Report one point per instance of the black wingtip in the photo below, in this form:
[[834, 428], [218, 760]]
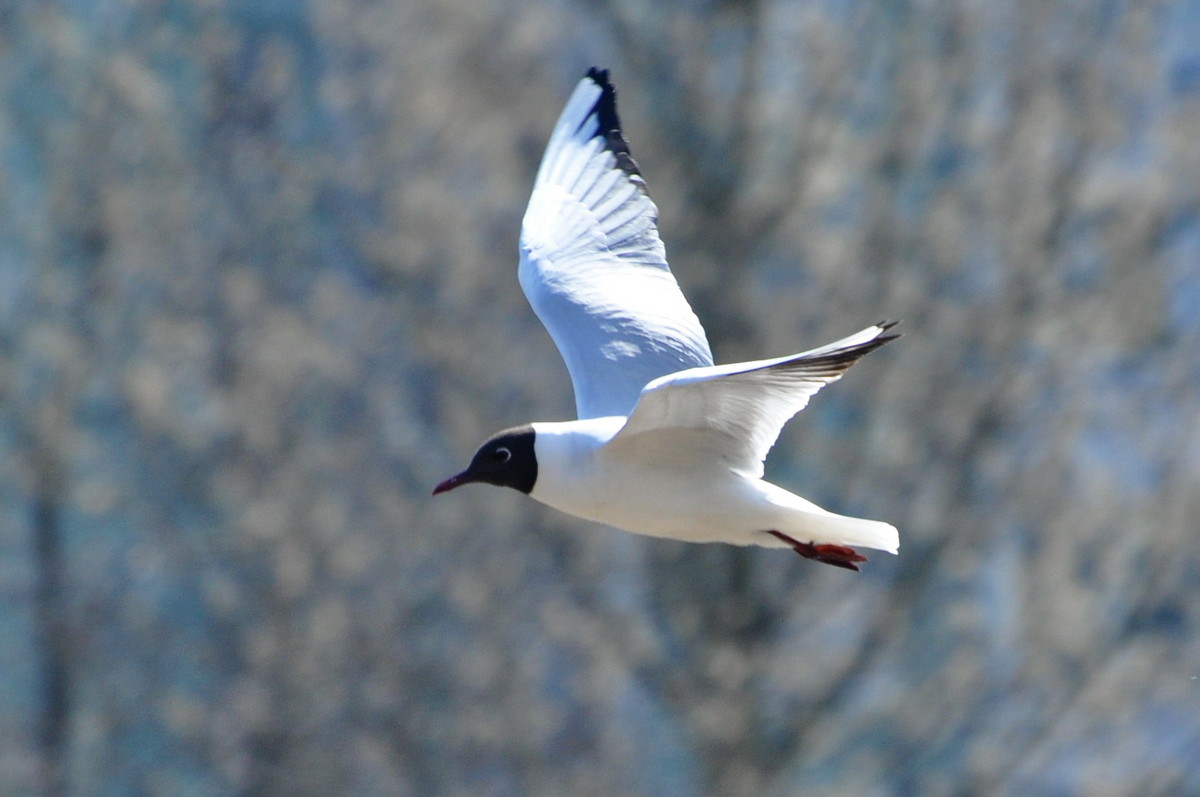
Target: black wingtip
[[884, 326], [839, 360], [599, 76], [606, 105], [609, 122]]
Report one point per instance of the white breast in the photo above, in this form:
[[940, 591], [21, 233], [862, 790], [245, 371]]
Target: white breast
[[646, 492]]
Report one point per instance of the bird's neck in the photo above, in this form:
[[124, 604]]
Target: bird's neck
[[566, 455]]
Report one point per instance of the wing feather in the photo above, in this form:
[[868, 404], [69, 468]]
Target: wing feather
[[740, 409], [593, 266]]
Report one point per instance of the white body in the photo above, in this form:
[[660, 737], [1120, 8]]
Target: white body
[[667, 444], [652, 490]]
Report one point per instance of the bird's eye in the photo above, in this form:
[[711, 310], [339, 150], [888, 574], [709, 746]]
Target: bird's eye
[[502, 454]]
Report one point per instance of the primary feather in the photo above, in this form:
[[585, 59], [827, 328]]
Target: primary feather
[[739, 409], [593, 266]]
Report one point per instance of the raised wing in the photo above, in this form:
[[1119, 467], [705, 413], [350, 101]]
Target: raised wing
[[737, 411], [593, 266]]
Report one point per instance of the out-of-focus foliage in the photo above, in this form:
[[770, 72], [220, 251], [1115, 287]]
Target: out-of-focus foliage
[[258, 293]]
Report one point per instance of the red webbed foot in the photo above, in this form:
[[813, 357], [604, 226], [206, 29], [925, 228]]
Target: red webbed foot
[[836, 555]]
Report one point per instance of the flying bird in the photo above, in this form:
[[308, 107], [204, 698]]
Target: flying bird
[[667, 444]]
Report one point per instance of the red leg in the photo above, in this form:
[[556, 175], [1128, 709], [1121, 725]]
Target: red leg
[[836, 555]]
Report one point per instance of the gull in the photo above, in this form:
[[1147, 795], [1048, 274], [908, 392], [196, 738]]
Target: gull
[[666, 444]]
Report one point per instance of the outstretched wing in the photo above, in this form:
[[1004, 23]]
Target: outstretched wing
[[737, 411], [593, 266]]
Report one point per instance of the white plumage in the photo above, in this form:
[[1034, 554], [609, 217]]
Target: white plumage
[[594, 268], [667, 444]]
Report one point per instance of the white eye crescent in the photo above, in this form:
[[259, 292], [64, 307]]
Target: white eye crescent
[[503, 454]]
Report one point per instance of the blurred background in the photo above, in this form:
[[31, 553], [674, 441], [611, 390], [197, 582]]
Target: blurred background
[[258, 294]]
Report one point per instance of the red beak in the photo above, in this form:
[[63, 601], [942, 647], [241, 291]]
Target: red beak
[[454, 481]]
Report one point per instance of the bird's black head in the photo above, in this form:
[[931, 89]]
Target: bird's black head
[[507, 460]]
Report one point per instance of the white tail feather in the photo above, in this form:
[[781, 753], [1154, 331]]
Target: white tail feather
[[831, 529]]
